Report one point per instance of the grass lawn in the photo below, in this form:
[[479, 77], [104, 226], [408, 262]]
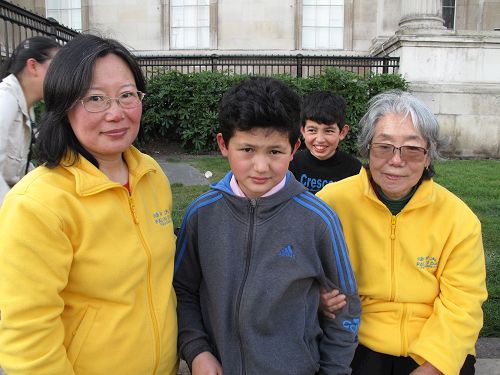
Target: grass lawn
[[476, 182]]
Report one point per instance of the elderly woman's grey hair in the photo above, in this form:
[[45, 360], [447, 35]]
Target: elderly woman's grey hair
[[405, 104]]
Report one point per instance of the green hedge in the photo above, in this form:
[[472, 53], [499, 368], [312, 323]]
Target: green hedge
[[183, 107]]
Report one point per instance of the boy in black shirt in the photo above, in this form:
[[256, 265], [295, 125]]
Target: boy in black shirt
[[323, 127]]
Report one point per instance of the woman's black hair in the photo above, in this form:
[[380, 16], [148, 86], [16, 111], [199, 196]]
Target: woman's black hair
[[68, 78], [37, 47]]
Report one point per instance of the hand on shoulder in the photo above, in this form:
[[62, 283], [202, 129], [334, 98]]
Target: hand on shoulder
[[331, 302]]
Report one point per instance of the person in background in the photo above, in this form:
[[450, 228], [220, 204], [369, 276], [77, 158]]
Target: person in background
[[21, 87], [87, 249], [416, 248], [247, 280], [323, 127]]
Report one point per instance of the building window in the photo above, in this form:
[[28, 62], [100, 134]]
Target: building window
[[323, 24], [449, 14], [190, 24], [66, 12]]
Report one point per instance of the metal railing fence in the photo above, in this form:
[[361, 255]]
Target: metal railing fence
[[296, 65]]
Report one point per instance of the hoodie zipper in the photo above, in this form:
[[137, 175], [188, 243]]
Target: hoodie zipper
[[253, 204], [393, 260]]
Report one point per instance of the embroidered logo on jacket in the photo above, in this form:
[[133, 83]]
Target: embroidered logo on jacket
[[426, 262], [287, 252], [162, 217], [351, 325]]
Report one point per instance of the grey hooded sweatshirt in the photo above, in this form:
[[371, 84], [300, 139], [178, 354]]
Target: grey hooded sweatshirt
[[247, 279]]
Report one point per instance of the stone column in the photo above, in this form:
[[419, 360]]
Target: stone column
[[421, 14]]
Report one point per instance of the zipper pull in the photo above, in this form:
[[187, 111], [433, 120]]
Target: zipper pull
[[253, 204], [393, 228]]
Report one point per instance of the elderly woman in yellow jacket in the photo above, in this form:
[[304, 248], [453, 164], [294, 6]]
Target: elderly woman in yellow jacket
[[87, 242], [416, 248]]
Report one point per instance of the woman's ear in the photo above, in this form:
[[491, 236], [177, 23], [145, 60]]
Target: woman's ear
[[31, 66]]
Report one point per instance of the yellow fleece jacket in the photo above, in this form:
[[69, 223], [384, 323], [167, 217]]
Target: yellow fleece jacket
[[421, 273], [86, 272]]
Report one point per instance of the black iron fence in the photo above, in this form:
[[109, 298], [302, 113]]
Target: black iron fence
[[17, 24], [295, 65]]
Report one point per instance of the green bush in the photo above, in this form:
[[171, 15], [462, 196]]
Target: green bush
[[183, 107]]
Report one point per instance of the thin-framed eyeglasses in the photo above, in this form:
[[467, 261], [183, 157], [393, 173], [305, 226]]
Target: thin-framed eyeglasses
[[407, 153], [99, 103]]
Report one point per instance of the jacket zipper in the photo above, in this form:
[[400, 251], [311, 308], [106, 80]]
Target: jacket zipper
[[393, 261], [253, 203], [150, 298]]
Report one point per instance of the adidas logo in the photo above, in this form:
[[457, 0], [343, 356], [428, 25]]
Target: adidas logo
[[287, 252]]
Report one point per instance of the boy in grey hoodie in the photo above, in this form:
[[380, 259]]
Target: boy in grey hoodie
[[247, 278]]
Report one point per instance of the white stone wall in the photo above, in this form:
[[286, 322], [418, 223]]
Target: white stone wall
[[137, 24], [468, 116], [256, 25], [450, 57]]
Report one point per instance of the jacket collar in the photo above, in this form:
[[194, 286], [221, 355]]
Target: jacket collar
[[90, 180], [424, 195], [265, 205]]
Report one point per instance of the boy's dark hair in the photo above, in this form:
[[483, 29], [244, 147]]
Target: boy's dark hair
[[260, 102], [68, 78], [324, 107], [37, 47]]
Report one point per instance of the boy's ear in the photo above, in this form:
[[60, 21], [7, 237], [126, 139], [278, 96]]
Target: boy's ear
[[344, 132], [296, 147], [221, 144]]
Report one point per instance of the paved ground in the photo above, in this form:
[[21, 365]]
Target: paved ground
[[488, 349], [183, 173]]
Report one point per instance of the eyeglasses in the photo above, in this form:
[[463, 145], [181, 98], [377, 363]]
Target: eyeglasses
[[99, 103], [407, 153]]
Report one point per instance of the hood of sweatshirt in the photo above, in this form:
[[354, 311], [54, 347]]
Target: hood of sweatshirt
[[264, 206]]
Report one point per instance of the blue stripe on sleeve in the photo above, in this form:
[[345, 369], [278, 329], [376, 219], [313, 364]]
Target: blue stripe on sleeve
[[338, 227], [333, 224]]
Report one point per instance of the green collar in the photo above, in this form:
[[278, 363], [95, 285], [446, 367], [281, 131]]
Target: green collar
[[395, 205]]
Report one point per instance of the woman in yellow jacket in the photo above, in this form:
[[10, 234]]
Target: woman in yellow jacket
[[87, 242], [416, 248]]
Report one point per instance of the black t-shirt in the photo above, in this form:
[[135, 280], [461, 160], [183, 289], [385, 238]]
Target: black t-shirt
[[314, 173]]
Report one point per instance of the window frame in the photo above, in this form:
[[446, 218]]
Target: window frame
[[70, 11], [346, 28], [197, 28], [452, 21]]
